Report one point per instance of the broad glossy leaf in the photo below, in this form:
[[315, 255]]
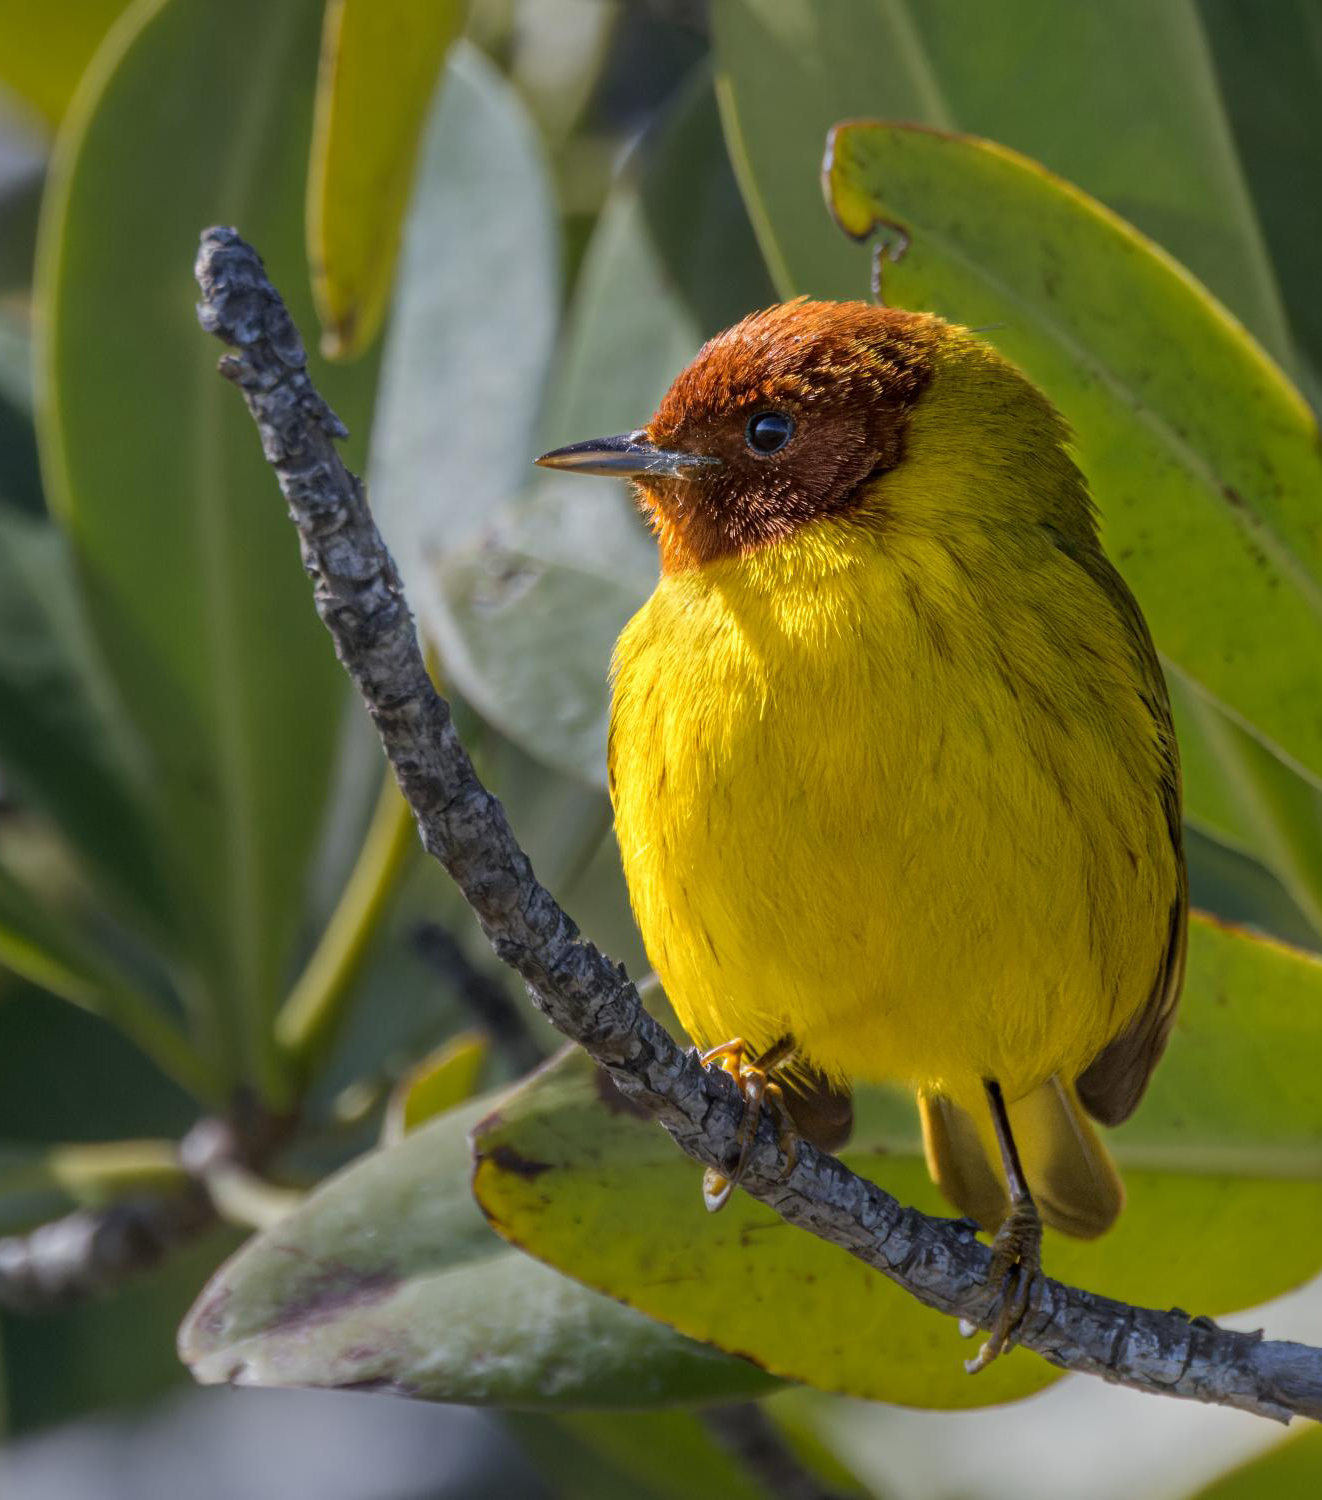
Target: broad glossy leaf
[[673, 260], [473, 327], [1122, 100], [528, 627], [1239, 792], [58, 736], [1202, 456], [1223, 1153], [189, 565], [1269, 73], [389, 1278], [1290, 1470], [527, 610], [1234, 887], [380, 60], [1139, 125], [42, 62]]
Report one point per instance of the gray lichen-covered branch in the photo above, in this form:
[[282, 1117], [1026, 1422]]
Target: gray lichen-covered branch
[[91, 1251], [590, 999]]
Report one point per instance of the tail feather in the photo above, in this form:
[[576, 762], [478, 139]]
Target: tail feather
[[958, 1163], [1069, 1170]]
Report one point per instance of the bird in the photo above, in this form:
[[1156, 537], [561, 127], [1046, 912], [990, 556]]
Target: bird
[[895, 782]]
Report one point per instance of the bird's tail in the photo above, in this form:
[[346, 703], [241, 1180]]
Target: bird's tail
[[1069, 1170]]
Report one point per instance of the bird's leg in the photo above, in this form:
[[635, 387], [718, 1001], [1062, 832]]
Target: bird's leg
[[758, 1089], [1017, 1249]]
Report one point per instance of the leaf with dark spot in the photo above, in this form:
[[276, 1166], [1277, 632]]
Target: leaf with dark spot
[[388, 1279]]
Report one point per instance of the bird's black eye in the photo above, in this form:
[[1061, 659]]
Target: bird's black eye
[[769, 431]]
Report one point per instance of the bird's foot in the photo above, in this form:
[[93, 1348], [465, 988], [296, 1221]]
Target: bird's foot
[[1016, 1264], [759, 1091]]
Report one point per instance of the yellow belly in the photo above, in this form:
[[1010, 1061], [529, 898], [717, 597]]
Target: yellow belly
[[909, 819]]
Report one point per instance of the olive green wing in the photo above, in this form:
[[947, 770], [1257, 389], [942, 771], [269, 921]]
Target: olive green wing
[[1113, 1083]]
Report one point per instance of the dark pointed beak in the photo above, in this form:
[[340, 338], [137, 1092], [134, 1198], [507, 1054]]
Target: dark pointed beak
[[627, 456]]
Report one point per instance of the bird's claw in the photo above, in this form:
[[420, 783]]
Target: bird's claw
[[758, 1091], [1016, 1264]]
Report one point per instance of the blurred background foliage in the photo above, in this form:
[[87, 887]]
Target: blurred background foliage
[[510, 223]]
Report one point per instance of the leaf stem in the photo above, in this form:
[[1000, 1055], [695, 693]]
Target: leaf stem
[[94, 1173], [311, 1013]]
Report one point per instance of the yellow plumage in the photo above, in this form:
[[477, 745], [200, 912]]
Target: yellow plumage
[[899, 783]]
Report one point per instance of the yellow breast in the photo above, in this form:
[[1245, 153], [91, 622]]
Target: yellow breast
[[896, 796]]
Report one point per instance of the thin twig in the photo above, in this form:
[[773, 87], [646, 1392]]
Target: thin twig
[[487, 1004], [358, 594], [93, 1250], [310, 1018]]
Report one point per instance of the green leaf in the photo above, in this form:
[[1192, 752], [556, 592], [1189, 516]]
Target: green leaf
[[190, 568], [1224, 1153], [439, 1083], [42, 62], [654, 1455], [472, 330], [58, 735], [388, 1277], [1234, 887], [786, 71], [45, 948], [1237, 791], [1208, 500], [530, 624], [673, 260], [1291, 1470], [526, 610], [1139, 126], [1270, 77], [379, 65]]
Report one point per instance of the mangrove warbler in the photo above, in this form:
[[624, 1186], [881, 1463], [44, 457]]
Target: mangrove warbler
[[891, 756]]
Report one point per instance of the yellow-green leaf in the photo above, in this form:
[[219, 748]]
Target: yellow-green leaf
[[437, 1084], [93, 1173], [1227, 1142], [1239, 792], [45, 54], [1140, 126], [569, 1173], [380, 61], [1202, 456], [1291, 1470], [190, 572]]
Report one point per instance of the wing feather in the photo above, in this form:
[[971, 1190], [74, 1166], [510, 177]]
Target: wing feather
[[1111, 1086]]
